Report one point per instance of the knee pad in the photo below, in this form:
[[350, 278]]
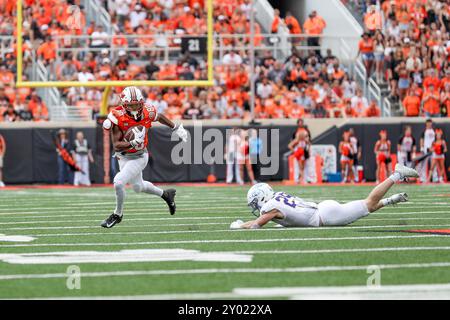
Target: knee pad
[[137, 187], [118, 184]]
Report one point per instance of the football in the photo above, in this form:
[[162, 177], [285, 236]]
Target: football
[[129, 134]]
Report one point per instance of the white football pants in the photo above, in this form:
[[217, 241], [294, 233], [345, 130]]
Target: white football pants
[[332, 213], [131, 173]]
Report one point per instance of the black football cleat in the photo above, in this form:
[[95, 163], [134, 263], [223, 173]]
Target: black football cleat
[[169, 197], [111, 221]]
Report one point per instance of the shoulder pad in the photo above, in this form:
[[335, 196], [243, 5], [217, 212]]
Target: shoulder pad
[[107, 124], [112, 117], [152, 112]]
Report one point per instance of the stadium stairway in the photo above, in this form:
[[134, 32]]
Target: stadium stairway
[[95, 12]]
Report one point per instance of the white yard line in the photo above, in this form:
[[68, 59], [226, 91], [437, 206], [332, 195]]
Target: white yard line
[[130, 217], [225, 270], [332, 251], [102, 213], [147, 212], [195, 224], [159, 206], [83, 234], [97, 221], [84, 244]]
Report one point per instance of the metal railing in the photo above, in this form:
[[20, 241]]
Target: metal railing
[[72, 113], [5, 46], [360, 74], [96, 12], [346, 56], [50, 96], [374, 93], [81, 44], [387, 108]]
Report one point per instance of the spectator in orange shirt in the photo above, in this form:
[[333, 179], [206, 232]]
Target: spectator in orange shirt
[[47, 50], [294, 27], [411, 104], [403, 17], [311, 92], [6, 76], [276, 21], [278, 111], [431, 99], [292, 24], [431, 78], [372, 20], [260, 110], [295, 111], [372, 110], [349, 112], [314, 26], [445, 101], [366, 49], [446, 80], [38, 108]]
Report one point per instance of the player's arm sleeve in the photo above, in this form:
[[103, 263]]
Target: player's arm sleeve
[[268, 207]]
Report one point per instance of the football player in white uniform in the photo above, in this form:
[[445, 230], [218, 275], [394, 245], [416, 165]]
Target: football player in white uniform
[[291, 211], [136, 117]]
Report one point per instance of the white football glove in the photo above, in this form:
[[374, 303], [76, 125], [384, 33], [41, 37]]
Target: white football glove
[[139, 138], [139, 135], [137, 143], [180, 132], [236, 224]]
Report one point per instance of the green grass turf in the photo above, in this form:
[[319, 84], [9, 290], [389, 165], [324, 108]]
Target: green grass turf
[[68, 220]]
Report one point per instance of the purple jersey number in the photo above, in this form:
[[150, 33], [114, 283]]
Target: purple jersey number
[[286, 198]]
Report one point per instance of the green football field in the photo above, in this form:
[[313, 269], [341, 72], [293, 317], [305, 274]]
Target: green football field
[[193, 254]]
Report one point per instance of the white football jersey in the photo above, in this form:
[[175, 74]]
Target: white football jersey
[[297, 212]]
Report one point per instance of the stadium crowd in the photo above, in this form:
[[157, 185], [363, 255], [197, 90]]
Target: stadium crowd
[[406, 44], [303, 85]]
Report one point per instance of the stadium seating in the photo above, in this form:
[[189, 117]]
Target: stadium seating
[[409, 51], [308, 85]]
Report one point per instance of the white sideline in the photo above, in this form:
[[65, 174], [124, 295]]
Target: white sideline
[[81, 244], [135, 255], [224, 270], [386, 292], [15, 238], [419, 291]]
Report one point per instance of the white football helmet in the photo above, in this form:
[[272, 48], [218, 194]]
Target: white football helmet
[[133, 101], [258, 195]]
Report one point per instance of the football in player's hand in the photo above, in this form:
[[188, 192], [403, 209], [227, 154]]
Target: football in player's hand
[[129, 135]]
